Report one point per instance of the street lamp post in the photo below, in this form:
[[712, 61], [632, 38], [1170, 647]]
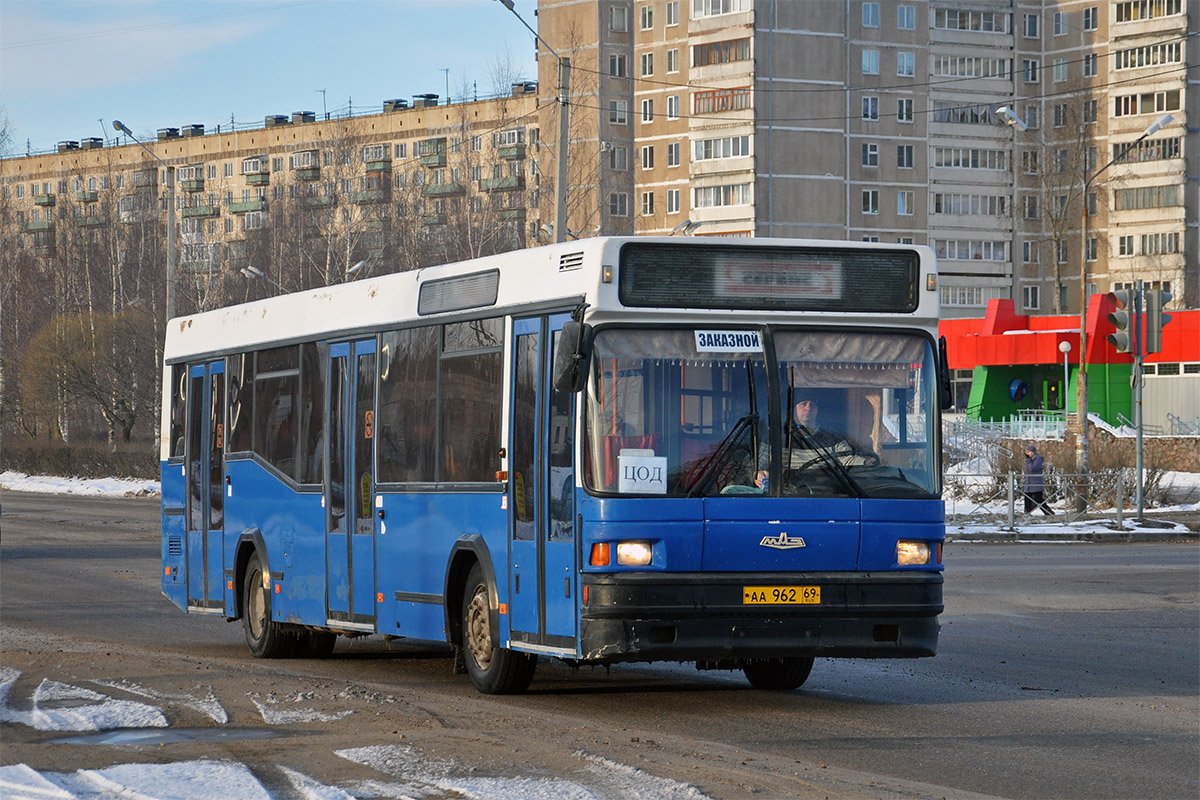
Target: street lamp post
[[254, 273], [171, 256], [564, 90], [1081, 377], [1065, 349]]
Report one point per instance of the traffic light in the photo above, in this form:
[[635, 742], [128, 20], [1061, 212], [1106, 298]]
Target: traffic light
[[1124, 318], [1154, 301]]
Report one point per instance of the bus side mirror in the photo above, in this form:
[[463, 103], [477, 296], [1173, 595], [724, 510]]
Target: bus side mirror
[[572, 358], [945, 391]]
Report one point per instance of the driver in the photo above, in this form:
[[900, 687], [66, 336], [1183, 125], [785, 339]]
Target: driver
[[811, 436]]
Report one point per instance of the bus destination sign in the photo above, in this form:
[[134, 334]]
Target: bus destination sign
[[753, 280]]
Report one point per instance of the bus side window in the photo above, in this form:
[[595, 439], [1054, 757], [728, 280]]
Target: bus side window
[[178, 410]]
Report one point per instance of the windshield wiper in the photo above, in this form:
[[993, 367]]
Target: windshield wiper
[[708, 473], [836, 467]]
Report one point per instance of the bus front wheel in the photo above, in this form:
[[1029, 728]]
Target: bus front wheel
[[493, 669], [777, 674], [266, 639]]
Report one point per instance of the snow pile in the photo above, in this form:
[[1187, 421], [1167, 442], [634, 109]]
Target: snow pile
[[96, 487], [62, 707], [287, 716]]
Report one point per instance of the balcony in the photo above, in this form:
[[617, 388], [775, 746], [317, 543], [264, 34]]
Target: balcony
[[443, 189], [370, 196], [316, 201], [195, 185], [45, 200], [511, 215], [41, 225], [433, 219], [91, 220], [379, 165], [308, 173], [248, 205], [513, 152], [437, 159], [192, 212], [377, 225], [258, 179], [87, 197], [506, 184]]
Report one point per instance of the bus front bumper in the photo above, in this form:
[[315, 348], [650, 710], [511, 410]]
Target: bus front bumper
[[701, 617]]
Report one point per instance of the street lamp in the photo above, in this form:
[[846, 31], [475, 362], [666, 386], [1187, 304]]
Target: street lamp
[[1081, 401], [355, 267], [117, 124], [253, 273], [564, 84], [1065, 348]]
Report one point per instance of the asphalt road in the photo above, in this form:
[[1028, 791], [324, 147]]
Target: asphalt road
[[1063, 671]]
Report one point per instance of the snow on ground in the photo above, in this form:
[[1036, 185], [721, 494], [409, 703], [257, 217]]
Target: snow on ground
[[62, 707], [98, 487], [272, 715]]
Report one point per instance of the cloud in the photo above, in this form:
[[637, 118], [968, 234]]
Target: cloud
[[138, 42]]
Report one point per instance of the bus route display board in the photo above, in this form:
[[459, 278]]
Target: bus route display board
[[660, 275]]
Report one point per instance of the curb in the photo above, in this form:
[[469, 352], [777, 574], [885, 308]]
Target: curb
[[1100, 537]]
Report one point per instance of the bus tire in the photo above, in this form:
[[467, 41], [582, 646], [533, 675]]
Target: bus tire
[[493, 669], [265, 638], [777, 674]]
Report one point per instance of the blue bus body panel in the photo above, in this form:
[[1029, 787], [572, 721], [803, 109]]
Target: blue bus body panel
[[753, 534], [292, 525], [675, 527], [412, 552], [174, 537], [886, 521]]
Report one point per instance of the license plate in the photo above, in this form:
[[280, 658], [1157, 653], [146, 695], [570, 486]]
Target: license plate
[[781, 595]]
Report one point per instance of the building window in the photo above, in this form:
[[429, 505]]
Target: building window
[[647, 204], [1091, 18], [672, 13], [870, 108], [906, 64], [1148, 56], [673, 154], [1029, 69], [906, 18], [1092, 248], [722, 147], [716, 8], [874, 239], [618, 158], [673, 60], [870, 201], [904, 156], [1030, 29], [672, 201], [970, 158], [1090, 65], [618, 18], [990, 205], [1060, 70], [1125, 246], [1146, 103], [1148, 150], [616, 65], [1138, 10], [1031, 206], [648, 110], [1154, 244], [704, 55], [870, 154], [618, 112], [736, 99], [1032, 116], [976, 21], [1031, 297], [1060, 115], [673, 106], [1089, 111], [647, 64], [904, 204], [870, 62], [618, 204], [737, 194], [904, 109], [648, 157], [1147, 197], [1029, 252], [229, 170], [870, 15], [647, 17], [1060, 23], [1064, 251], [971, 249]]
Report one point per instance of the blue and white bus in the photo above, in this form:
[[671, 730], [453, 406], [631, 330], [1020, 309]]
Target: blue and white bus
[[600, 451]]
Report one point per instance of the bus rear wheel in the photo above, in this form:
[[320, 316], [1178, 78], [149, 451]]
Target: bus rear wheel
[[493, 669], [266, 639], [777, 674]]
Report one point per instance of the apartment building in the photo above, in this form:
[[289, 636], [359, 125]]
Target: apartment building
[[879, 121], [876, 120], [416, 182]]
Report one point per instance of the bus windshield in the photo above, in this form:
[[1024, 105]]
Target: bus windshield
[[685, 412]]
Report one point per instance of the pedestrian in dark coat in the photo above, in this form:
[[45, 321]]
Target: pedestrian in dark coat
[[1035, 482]]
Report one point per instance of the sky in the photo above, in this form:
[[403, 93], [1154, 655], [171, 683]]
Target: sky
[[69, 68]]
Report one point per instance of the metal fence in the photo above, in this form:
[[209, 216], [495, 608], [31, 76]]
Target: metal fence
[[998, 499]]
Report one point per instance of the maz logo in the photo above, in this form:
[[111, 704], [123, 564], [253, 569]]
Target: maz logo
[[782, 542]]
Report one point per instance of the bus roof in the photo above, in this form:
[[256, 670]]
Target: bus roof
[[561, 274]]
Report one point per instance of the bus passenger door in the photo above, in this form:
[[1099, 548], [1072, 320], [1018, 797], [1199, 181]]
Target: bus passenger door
[[350, 486], [544, 579], [206, 486]]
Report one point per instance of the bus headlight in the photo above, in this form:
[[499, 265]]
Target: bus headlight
[[634, 554], [912, 554]]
